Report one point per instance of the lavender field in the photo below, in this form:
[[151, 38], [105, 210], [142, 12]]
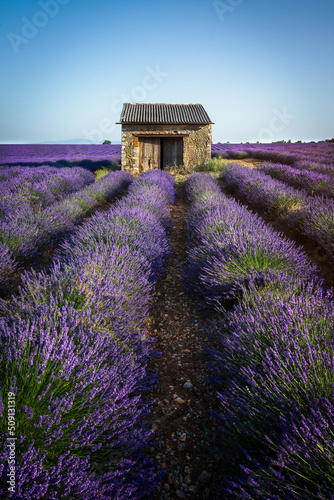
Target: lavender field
[[79, 357], [74, 358], [271, 355], [50, 154], [317, 157], [312, 156]]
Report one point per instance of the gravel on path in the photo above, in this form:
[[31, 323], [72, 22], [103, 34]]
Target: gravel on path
[[181, 416]]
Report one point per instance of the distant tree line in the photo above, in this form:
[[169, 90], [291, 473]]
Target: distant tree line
[[274, 142]]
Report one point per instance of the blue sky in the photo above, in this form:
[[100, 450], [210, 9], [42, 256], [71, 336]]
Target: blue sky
[[262, 69]]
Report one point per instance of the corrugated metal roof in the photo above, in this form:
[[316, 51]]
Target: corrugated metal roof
[[164, 113]]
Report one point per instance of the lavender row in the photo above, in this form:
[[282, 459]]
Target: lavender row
[[25, 235], [230, 247], [273, 363], [314, 183], [311, 156], [76, 356], [272, 359], [17, 154], [323, 167], [30, 189], [310, 216]]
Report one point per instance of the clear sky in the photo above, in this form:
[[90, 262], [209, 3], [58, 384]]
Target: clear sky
[[263, 69]]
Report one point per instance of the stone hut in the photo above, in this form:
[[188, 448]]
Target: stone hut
[[160, 135]]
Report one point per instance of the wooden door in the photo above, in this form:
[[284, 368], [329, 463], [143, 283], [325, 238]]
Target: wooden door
[[149, 153], [172, 151]]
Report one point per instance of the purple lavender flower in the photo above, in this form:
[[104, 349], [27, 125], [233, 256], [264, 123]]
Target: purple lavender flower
[[271, 357], [308, 180], [26, 233], [230, 247], [82, 387], [77, 353], [310, 216], [7, 264]]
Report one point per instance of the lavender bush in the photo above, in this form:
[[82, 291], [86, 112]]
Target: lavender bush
[[131, 226], [75, 403], [198, 187], [231, 247], [308, 180], [163, 195], [7, 265], [87, 155], [318, 157], [271, 356], [310, 216], [26, 234], [325, 167], [318, 223], [277, 354], [277, 344], [153, 178], [30, 189], [262, 191], [78, 358]]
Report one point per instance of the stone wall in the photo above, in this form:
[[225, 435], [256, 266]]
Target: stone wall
[[196, 146]]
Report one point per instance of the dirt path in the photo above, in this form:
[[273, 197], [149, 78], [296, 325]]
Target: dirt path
[[181, 414]]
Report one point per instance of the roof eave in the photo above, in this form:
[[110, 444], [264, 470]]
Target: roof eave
[[167, 123]]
